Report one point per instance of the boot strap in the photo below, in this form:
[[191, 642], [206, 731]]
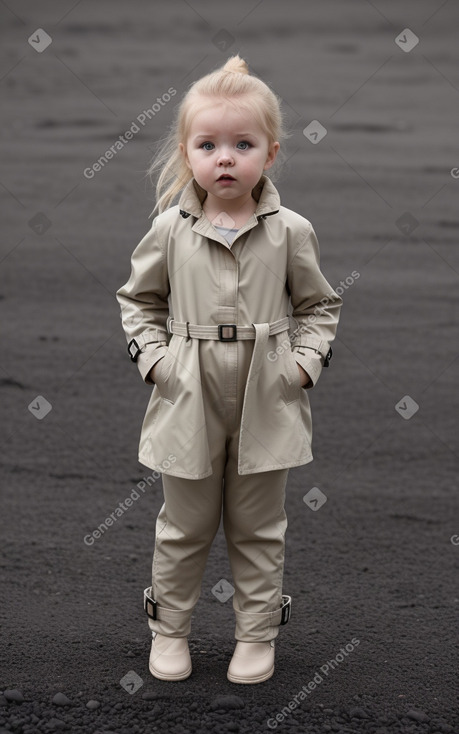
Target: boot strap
[[163, 614], [150, 606]]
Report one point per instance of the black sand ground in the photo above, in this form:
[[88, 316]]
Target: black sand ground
[[378, 562]]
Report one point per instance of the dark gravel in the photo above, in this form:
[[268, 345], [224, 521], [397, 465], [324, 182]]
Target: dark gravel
[[197, 713], [378, 562]]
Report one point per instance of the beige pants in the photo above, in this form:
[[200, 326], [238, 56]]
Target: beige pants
[[254, 518]]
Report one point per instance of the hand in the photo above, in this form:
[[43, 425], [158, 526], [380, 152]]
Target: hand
[[304, 377]]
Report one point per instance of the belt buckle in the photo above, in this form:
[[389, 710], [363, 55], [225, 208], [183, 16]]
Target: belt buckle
[[286, 609], [231, 338], [169, 321]]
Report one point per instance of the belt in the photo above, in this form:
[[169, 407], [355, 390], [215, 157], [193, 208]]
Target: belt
[[222, 332]]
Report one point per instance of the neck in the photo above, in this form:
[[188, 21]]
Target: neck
[[239, 209]]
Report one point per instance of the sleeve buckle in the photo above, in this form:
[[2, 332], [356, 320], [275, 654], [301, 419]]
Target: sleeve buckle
[[133, 350]]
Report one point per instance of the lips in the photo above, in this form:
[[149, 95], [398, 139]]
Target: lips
[[226, 177]]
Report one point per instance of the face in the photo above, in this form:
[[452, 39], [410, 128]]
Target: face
[[227, 151]]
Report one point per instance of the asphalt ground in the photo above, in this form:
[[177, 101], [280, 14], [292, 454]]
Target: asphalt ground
[[374, 570]]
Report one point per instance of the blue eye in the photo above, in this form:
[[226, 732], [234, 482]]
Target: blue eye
[[207, 145]]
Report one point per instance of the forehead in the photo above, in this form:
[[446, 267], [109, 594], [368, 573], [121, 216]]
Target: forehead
[[223, 117]]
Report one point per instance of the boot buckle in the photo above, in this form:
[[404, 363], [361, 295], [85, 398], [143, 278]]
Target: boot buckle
[[286, 609], [149, 604]]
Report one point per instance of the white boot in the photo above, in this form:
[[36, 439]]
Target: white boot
[[169, 657], [252, 662]]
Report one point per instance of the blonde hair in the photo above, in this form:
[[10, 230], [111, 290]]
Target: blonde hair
[[233, 83]]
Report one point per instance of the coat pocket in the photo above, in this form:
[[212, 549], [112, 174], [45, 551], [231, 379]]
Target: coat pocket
[[292, 391], [163, 375]]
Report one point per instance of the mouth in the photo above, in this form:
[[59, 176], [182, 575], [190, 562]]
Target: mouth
[[226, 177]]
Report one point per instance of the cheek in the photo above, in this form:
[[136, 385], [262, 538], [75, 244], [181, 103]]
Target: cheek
[[206, 164], [249, 162], [194, 159]]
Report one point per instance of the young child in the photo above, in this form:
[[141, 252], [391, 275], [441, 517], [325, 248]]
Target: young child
[[205, 312]]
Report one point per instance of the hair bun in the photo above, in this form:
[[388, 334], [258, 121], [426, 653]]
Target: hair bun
[[237, 65]]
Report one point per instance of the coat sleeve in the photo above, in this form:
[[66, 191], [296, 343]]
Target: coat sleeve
[[144, 301], [316, 307]]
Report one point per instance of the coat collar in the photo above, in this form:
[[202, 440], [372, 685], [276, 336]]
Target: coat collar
[[264, 192]]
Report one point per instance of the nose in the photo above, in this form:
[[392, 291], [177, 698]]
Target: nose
[[225, 158]]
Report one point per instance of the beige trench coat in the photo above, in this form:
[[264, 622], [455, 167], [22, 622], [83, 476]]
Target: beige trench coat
[[185, 269]]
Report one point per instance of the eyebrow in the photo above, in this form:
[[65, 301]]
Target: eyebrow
[[236, 135]]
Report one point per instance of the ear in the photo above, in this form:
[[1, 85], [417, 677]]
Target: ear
[[183, 152], [272, 153]]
